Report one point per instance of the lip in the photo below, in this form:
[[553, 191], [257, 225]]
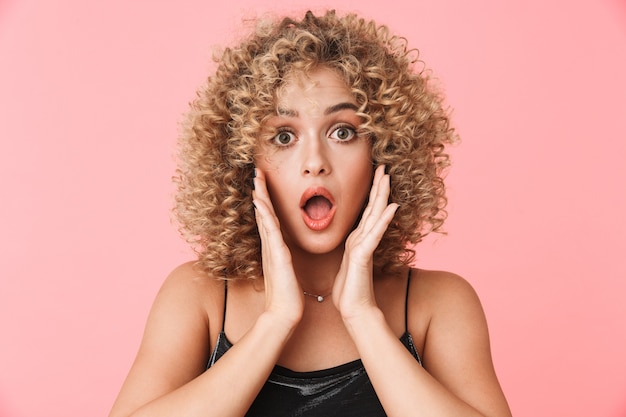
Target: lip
[[317, 224]]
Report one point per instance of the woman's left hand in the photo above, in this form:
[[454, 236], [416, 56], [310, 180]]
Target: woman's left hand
[[353, 290]]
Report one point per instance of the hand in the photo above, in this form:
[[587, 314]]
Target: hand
[[353, 290], [283, 294]]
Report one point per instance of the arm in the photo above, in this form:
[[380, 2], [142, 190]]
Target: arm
[[168, 376], [458, 378]]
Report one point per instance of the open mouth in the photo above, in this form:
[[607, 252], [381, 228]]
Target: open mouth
[[318, 208]]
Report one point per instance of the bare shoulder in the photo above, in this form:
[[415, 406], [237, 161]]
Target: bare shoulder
[[437, 293], [441, 285], [455, 339], [182, 306], [191, 285], [175, 345], [192, 298], [442, 290], [187, 293], [447, 306], [189, 276]]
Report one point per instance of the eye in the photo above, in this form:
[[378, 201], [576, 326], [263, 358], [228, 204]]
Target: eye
[[284, 137], [343, 133]]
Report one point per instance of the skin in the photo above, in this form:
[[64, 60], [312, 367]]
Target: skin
[[273, 322]]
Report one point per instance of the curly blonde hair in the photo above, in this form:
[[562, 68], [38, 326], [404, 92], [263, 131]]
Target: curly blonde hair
[[402, 112]]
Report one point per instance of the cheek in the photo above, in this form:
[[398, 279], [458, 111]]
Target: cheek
[[263, 160], [360, 173], [273, 168], [361, 167], [273, 161], [278, 186]]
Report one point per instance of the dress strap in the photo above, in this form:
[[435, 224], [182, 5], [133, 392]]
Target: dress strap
[[406, 302], [225, 298]]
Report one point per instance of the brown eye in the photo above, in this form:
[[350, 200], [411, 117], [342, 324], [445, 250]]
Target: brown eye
[[284, 138], [343, 133]]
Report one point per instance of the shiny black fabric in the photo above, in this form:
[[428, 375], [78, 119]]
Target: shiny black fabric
[[344, 390]]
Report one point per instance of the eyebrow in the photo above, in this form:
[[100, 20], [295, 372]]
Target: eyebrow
[[341, 106], [330, 110]]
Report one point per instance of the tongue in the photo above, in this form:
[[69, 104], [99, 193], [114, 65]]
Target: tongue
[[317, 207]]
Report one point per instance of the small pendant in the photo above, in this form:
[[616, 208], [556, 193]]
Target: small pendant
[[319, 298]]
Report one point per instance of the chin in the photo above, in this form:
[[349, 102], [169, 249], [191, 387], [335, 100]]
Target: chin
[[318, 245]]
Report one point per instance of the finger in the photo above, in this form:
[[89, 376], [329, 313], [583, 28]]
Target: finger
[[379, 198], [372, 194], [369, 241], [378, 174], [268, 225], [260, 191], [267, 221]]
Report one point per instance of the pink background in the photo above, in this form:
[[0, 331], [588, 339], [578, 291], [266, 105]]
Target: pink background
[[90, 97]]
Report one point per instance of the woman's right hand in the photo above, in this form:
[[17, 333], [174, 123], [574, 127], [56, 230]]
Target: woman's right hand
[[177, 330], [283, 294]]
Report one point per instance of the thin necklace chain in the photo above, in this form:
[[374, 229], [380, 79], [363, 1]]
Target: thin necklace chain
[[319, 298]]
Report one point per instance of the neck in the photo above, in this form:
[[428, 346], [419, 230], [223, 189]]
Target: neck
[[316, 272]]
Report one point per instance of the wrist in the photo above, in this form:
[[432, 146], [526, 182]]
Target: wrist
[[279, 324], [362, 320]]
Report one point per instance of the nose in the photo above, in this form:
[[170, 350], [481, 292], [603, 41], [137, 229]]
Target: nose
[[315, 158]]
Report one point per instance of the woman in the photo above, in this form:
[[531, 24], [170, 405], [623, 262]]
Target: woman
[[310, 163]]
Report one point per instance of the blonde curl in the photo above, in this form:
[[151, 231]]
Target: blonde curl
[[402, 112]]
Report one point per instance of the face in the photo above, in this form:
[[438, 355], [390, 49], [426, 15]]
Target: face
[[317, 167]]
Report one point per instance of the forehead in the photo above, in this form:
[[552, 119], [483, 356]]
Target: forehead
[[312, 92]]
